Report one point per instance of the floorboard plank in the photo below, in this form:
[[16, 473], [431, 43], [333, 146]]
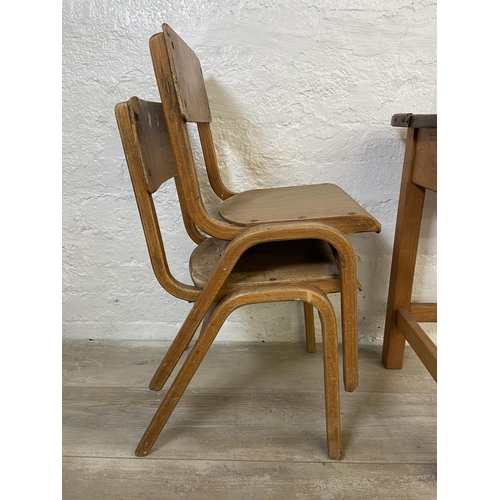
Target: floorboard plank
[[258, 424], [250, 425], [288, 365], [225, 480]]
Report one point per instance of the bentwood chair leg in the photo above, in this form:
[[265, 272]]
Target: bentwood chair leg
[[331, 373], [181, 342], [349, 335], [171, 358], [309, 323], [179, 385], [174, 353], [207, 336], [204, 324]]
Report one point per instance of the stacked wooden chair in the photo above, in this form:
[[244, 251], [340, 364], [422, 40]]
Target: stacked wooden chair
[[267, 245], [184, 99]]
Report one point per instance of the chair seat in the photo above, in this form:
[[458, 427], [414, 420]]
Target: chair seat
[[286, 262], [320, 202]]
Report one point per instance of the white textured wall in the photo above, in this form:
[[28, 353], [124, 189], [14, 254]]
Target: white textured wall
[[300, 92]]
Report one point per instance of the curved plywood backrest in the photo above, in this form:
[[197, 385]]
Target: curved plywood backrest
[[156, 157], [153, 143], [188, 78]]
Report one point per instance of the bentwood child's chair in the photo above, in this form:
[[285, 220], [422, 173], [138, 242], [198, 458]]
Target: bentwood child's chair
[[295, 260]]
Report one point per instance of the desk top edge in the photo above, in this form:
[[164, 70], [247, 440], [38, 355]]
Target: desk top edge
[[408, 120]]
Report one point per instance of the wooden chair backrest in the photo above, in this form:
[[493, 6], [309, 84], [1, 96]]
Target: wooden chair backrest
[[183, 96], [149, 158], [188, 78], [191, 95], [152, 142], [155, 152]]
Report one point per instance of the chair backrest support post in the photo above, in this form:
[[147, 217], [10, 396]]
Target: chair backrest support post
[[127, 116], [181, 145]]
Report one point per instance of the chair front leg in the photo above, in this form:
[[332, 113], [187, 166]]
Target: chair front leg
[[202, 310], [179, 345], [331, 374], [349, 315], [230, 303], [186, 373], [309, 324]]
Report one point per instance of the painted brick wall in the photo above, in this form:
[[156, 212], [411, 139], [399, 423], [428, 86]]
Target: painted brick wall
[[301, 91]]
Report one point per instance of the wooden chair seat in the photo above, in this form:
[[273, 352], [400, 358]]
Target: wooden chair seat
[[322, 202], [285, 262], [299, 261], [184, 99]]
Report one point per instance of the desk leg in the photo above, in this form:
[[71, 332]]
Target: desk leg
[[404, 256]]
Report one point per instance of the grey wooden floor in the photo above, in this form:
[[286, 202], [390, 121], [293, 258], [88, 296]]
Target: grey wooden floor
[[251, 425]]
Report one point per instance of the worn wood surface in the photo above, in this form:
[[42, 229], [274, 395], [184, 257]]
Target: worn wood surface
[[325, 202], [426, 312], [210, 157], [283, 261], [404, 256], [188, 78], [419, 174], [309, 323], [251, 421], [414, 121], [157, 158], [127, 125], [250, 424], [162, 59], [148, 150], [425, 349], [425, 167]]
